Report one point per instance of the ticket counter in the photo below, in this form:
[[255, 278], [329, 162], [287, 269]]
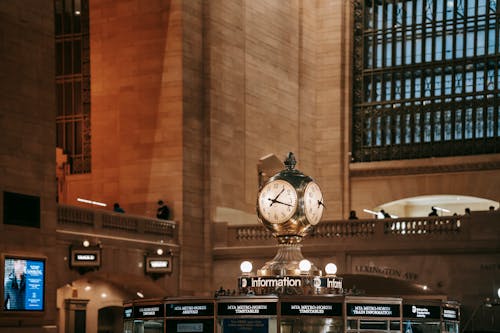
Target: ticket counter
[[189, 315], [421, 316], [250, 314], [312, 314], [450, 317], [144, 317], [372, 314]]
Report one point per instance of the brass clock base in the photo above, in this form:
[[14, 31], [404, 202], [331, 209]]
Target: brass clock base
[[286, 263]]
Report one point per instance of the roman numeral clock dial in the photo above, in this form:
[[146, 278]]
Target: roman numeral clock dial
[[277, 201]]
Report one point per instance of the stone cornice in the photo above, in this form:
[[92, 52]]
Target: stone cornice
[[426, 166]]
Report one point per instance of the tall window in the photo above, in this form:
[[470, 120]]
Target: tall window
[[73, 82], [426, 78]]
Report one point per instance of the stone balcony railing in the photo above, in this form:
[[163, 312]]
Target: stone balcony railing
[[101, 221], [443, 231]]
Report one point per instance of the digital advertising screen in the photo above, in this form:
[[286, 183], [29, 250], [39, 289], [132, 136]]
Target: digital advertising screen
[[24, 283]]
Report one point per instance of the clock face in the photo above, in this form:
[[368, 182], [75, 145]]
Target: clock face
[[277, 201], [313, 203]]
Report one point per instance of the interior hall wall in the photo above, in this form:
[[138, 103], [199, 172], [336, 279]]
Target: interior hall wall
[[265, 66], [27, 140], [194, 236], [136, 107]]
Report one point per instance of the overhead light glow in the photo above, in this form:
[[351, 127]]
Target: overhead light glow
[[304, 265], [159, 252], [442, 209], [246, 267], [140, 294], [86, 243], [331, 268], [92, 202]]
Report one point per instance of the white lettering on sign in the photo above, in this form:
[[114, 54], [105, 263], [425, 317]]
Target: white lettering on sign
[[334, 283], [85, 257], [190, 309], [450, 314], [158, 263], [247, 308], [151, 311], [283, 282], [377, 310], [310, 309], [420, 312]]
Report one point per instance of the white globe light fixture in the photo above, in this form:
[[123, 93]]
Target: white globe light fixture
[[159, 251], [331, 269], [86, 243], [246, 267], [304, 265]]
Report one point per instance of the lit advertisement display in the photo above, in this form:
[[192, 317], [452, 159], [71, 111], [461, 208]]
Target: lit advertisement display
[[23, 287]]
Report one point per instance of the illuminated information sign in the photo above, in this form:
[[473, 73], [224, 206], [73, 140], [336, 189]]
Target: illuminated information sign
[[372, 310], [241, 309], [190, 310], [311, 309]]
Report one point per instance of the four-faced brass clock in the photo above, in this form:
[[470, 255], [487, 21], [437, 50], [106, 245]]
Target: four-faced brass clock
[[290, 203]]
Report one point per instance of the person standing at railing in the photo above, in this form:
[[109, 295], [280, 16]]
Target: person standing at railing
[[433, 212], [163, 213], [117, 208], [352, 215]]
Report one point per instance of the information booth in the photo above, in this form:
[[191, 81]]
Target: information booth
[[450, 317], [372, 314], [144, 317], [189, 315], [421, 316], [251, 314], [312, 314]]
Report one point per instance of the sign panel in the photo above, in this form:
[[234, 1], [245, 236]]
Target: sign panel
[[311, 309], [158, 265], [372, 310], [191, 325], [147, 311], [247, 325], [450, 313], [239, 309], [421, 311], [24, 283], [128, 312], [190, 309], [85, 257]]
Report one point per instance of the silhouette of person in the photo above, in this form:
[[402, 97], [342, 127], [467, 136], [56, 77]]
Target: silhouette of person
[[467, 211], [15, 287], [163, 212], [433, 212], [385, 214], [352, 215], [117, 208]]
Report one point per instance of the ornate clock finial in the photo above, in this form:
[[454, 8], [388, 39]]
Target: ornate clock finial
[[290, 161]]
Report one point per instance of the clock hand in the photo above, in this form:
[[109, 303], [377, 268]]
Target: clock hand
[[276, 197], [283, 203], [320, 203]]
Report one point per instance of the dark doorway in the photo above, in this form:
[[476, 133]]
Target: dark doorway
[[110, 320]]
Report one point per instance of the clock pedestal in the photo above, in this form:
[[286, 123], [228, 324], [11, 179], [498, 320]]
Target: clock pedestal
[[286, 263]]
